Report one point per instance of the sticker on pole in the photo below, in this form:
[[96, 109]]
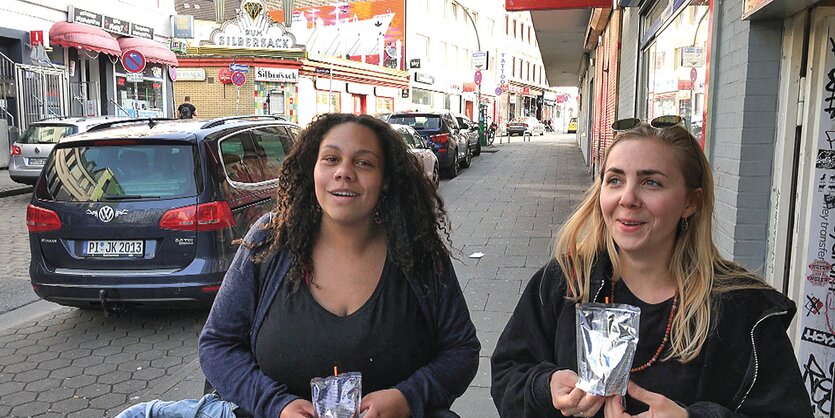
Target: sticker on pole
[[133, 61], [477, 78], [238, 78]]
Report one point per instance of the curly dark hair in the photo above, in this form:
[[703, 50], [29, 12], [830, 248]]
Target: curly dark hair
[[415, 220]]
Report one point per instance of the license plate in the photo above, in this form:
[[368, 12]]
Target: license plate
[[37, 161], [111, 248]]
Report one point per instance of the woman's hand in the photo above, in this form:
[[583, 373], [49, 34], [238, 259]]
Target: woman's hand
[[659, 405], [300, 408], [571, 401], [388, 403]]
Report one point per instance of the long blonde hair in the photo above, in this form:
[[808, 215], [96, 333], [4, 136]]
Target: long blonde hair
[[696, 266]]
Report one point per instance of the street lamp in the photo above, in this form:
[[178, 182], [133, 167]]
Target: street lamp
[[481, 138]]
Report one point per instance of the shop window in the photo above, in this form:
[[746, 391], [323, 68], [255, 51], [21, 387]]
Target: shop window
[[142, 96], [324, 97], [422, 97], [674, 66], [385, 105]]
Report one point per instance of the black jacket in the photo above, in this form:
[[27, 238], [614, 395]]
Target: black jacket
[[749, 366]]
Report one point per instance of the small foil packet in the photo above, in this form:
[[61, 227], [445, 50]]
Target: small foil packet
[[337, 396], [607, 337]]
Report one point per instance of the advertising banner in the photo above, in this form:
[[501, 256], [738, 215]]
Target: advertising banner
[[372, 32]]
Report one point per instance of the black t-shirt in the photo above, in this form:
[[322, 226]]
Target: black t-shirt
[[670, 378], [387, 339], [186, 111]]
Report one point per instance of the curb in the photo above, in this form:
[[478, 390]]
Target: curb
[[16, 191]]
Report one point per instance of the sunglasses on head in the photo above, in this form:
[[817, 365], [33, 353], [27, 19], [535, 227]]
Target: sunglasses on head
[[660, 122]]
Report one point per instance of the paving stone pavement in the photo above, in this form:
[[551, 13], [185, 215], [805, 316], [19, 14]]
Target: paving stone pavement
[[508, 205]]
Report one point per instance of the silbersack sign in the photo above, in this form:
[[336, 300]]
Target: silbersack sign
[[254, 29], [277, 75]]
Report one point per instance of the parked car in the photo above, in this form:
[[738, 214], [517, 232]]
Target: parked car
[[146, 212], [572, 126], [442, 131], [420, 149], [527, 125], [29, 152], [470, 129]]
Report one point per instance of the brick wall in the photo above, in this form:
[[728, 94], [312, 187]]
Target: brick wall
[[213, 98], [628, 63], [746, 70]]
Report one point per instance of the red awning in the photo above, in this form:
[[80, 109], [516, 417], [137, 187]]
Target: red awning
[[82, 36], [153, 51]]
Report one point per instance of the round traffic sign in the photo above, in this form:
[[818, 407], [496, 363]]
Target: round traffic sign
[[238, 78], [172, 73], [498, 91], [477, 77], [133, 61], [693, 75]]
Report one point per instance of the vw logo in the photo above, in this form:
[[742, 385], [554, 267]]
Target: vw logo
[[37, 150], [106, 213]]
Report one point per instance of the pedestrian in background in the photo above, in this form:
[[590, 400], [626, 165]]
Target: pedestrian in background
[[186, 110], [358, 276], [712, 337]]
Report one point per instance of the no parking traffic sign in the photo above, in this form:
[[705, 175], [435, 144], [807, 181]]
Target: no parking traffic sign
[[133, 61], [238, 78]]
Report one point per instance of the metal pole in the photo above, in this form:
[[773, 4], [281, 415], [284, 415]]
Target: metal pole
[[330, 88], [482, 139]]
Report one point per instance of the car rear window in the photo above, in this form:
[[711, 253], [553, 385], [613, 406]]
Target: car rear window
[[93, 173], [46, 134], [418, 122]]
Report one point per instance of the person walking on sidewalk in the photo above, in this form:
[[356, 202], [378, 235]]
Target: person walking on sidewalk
[[186, 110], [358, 277], [712, 337]]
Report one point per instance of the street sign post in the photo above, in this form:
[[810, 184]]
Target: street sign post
[[238, 78], [241, 68], [133, 61]]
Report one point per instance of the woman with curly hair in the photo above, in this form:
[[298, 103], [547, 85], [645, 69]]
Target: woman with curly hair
[[358, 277], [712, 336]]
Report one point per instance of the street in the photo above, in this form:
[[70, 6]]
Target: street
[[67, 362]]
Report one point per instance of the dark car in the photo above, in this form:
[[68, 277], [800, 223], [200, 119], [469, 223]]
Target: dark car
[[470, 130], [147, 212], [441, 130]]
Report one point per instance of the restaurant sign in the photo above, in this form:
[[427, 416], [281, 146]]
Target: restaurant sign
[[277, 75], [253, 28]]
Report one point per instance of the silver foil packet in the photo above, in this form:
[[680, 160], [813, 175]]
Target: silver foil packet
[[607, 337], [337, 396]]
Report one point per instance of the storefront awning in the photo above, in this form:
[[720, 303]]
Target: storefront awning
[[153, 51], [82, 36]]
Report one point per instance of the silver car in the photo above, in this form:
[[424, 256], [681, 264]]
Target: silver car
[[418, 147], [29, 152]]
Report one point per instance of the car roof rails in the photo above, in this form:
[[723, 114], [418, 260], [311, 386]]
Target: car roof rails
[[220, 121], [150, 121]]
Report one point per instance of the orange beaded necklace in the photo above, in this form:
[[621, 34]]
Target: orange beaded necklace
[[663, 340]]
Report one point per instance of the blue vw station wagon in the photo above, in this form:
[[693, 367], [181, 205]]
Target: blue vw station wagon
[[145, 212]]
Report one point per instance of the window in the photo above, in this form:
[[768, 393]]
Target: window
[[143, 99], [514, 29], [529, 34], [454, 8], [96, 173], [240, 160], [491, 26], [46, 134], [322, 102], [271, 144], [513, 71], [454, 59], [528, 65], [420, 47], [385, 105], [444, 53], [506, 26]]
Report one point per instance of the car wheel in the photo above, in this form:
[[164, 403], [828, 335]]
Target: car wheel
[[436, 176], [452, 171], [468, 158], [477, 149]]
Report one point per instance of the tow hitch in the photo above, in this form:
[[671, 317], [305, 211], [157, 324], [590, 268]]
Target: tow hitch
[[111, 309]]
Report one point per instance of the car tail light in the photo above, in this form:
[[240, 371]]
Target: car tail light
[[210, 289], [39, 219], [16, 150], [439, 138], [200, 217], [525, 125]]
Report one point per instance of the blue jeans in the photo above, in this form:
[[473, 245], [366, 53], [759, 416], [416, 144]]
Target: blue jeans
[[209, 406]]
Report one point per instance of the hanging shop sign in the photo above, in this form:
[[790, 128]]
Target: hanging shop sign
[[414, 63], [253, 29], [224, 75], [424, 78], [277, 75], [109, 23], [182, 26]]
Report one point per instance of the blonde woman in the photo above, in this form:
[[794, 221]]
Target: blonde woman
[[712, 335]]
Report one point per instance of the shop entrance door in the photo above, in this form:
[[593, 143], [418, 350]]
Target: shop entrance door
[[806, 150], [359, 104], [276, 102]]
